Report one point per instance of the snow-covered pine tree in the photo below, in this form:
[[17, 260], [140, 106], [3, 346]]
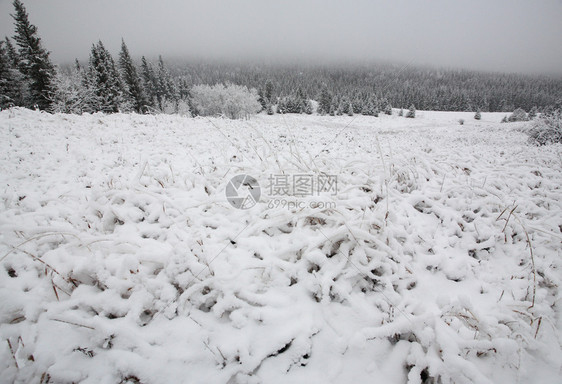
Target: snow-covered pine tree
[[261, 99], [104, 77], [350, 110], [34, 62], [134, 91], [401, 112], [12, 53], [269, 91], [149, 82], [13, 86], [388, 109], [411, 112], [325, 101], [165, 88], [533, 113]]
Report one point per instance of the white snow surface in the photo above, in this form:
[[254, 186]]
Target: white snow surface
[[122, 261]]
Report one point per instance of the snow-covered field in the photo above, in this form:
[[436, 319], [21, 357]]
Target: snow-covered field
[[439, 257]]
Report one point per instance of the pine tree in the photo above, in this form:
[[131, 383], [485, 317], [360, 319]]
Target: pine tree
[[350, 110], [411, 112], [12, 53], [325, 101], [388, 109], [13, 86], [133, 86], [401, 112], [268, 94], [533, 113], [149, 82], [104, 77], [165, 88], [34, 62], [261, 99]]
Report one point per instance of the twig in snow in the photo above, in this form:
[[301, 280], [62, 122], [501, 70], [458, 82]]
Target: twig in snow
[[538, 327], [13, 353], [72, 323]]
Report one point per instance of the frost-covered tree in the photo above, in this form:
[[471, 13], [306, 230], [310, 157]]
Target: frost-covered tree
[[12, 53], [411, 112], [133, 88], [73, 92], [268, 93], [33, 59], [233, 101], [13, 87], [325, 101], [165, 88], [350, 109], [261, 99], [149, 81], [103, 76], [388, 109], [533, 113]]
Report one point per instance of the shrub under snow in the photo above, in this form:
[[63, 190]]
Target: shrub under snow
[[234, 101], [547, 129], [518, 115]]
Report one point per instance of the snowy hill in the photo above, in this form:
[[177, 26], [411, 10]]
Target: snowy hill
[[437, 259]]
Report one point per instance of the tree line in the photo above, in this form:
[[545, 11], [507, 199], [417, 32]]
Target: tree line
[[28, 78]]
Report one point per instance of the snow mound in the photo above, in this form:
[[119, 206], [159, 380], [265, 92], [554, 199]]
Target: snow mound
[[438, 260]]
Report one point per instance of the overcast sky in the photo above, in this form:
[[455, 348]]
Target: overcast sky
[[497, 35]]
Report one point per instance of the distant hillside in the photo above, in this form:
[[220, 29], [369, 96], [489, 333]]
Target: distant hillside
[[401, 86]]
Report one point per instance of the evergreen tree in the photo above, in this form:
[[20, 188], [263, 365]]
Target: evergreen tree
[[12, 84], [104, 78], [165, 88], [268, 94], [411, 112], [134, 92], [401, 112], [325, 101], [533, 113], [149, 82], [12, 53], [388, 109], [261, 99], [34, 62], [350, 110]]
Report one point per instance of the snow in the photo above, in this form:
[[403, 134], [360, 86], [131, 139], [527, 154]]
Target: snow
[[122, 261]]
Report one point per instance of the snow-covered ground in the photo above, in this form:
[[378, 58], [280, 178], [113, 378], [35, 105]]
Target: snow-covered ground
[[122, 261]]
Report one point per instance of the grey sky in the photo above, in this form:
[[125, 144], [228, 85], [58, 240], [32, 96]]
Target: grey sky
[[498, 35]]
